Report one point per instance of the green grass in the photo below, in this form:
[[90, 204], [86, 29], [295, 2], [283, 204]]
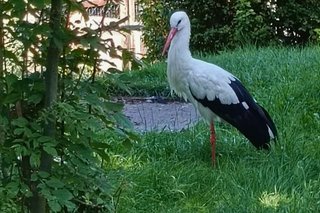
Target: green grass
[[150, 80], [172, 172]]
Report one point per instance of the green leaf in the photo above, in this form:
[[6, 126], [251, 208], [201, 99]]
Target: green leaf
[[20, 122], [35, 159], [4, 121], [25, 131], [54, 183], [122, 85], [35, 126], [20, 150], [45, 139], [112, 106], [43, 174], [11, 79], [11, 98], [50, 150], [13, 188], [103, 154], [45, 190], [34, 177], [80, 8], [70, 205], [93, 99], [54, 205], [25, 190], [38, 86], [122, 120], [18, 131], [39, 3], [127, 143], [63, 195], [10, 55], [100, 201], [100, 145], [35, 98]]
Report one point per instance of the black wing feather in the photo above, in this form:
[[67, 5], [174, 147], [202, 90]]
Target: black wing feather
[[251, 122]]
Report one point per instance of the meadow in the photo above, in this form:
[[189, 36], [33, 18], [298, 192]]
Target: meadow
[[172, 171]]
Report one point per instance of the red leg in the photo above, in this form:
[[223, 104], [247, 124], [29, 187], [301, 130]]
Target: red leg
[[213, 143]]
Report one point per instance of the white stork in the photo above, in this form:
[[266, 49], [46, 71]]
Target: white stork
[[213, 91]]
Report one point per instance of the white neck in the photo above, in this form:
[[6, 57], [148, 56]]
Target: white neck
[[179, 48], [179, 61]]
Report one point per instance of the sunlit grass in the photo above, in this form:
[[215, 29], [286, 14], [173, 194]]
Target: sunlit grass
[[273, 199], [172, 172]]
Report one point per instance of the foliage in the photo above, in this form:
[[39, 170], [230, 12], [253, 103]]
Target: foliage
[[150, 80], [211, 30], [89, 128], [211, 24], [154, 25], [251, 23], [220, 25], [172, 172], [295, 21]]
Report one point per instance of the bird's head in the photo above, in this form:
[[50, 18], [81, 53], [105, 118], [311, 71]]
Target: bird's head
[[178, 21]]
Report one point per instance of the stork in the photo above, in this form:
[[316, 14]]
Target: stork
[[213, 91]]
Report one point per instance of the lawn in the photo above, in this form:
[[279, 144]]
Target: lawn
[[172, 172]]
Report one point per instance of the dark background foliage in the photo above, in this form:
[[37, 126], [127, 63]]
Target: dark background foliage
[[295, 21], [219, 25]]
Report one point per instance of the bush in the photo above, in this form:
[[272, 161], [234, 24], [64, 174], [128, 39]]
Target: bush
[[219, 25], [251, 23], [155, 25], [58, 128], [211, 23], [295, 21]]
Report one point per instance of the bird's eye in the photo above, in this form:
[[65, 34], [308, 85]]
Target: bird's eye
[[179, 22]]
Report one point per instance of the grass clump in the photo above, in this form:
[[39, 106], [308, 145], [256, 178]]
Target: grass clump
[[172, 172]]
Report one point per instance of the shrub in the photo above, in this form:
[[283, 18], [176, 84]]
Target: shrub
[[155, 25], [251, 23], [211, 23], [294, 21], [220, 24], [58, 128]]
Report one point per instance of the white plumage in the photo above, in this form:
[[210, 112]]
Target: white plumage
[[211, 89], [203, 78]]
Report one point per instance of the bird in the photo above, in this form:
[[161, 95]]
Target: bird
[[214, 92]]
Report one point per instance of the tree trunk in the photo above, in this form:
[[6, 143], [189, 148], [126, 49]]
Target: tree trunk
[[38, 202], [1, 43], [2, 128]]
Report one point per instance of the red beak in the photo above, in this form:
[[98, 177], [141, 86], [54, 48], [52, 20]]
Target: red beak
[[172, 33]]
